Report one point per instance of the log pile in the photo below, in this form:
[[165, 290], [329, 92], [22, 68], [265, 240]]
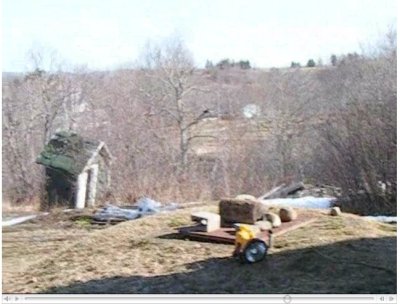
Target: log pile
[[299, 189], [283, 191]]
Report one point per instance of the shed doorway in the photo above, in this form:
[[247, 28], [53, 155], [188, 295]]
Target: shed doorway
[[87, 183]]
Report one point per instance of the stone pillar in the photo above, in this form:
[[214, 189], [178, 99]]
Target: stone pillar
[[93, 185], [81, 193]]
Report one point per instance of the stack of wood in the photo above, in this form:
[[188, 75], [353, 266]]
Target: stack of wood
[[283, 191]]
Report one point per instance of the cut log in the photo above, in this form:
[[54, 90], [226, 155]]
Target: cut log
[[287, 214], [271, 192], [274, 219], [335, 211], [239, 211], [283, 191]]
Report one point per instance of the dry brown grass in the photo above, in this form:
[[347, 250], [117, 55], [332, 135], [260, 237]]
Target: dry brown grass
[[25, 207], [144, 256]]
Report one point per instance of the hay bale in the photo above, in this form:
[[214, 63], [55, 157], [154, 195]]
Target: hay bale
[[239, 211], [335, 211], [287, 214], [245, 197], [274, 219]]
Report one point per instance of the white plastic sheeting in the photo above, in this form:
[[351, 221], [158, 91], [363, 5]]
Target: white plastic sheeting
[[148, 206], [319, 203], [111, 211], [382, 218], [145, 206], [302, 202]]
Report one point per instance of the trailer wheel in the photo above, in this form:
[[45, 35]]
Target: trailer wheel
[[255, 251]]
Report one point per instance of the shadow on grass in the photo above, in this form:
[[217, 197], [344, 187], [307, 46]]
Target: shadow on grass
[[179, 236], [355, 266], [172, 236]]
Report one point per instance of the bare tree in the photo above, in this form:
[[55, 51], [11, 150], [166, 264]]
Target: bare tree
[[358, 141], [170, 125], [170, 88], [35, 105]]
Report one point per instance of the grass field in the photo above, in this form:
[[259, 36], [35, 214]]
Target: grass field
[[346, 254]]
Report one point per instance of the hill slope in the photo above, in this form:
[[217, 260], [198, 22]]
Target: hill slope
[[346, 254]]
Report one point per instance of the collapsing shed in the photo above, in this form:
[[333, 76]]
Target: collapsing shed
[[77, 169]]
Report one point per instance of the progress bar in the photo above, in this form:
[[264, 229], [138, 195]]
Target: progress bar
[[197, 299]]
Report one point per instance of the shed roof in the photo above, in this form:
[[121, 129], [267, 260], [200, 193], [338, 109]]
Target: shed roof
[[70, 152]]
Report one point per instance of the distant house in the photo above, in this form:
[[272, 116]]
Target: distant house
[[77, 170]]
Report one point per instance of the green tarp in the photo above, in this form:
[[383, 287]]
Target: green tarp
[[68, 152]]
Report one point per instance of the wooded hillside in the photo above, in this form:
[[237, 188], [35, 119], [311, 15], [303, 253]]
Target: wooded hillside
[[179, 133]]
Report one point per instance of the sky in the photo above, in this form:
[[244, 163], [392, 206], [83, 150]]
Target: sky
[[109, 34]]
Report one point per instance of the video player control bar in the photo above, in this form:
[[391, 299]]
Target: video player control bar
[[197, 299]]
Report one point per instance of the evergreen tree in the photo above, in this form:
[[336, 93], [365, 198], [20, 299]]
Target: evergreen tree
[[209, 65], [310, 63], [295, 64], [334, 60], [244, 64]]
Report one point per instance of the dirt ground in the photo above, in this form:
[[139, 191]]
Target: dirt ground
[[345, 254]]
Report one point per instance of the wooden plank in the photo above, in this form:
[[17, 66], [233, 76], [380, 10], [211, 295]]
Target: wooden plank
[[227, 234], [294, 227], [222, 235]]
